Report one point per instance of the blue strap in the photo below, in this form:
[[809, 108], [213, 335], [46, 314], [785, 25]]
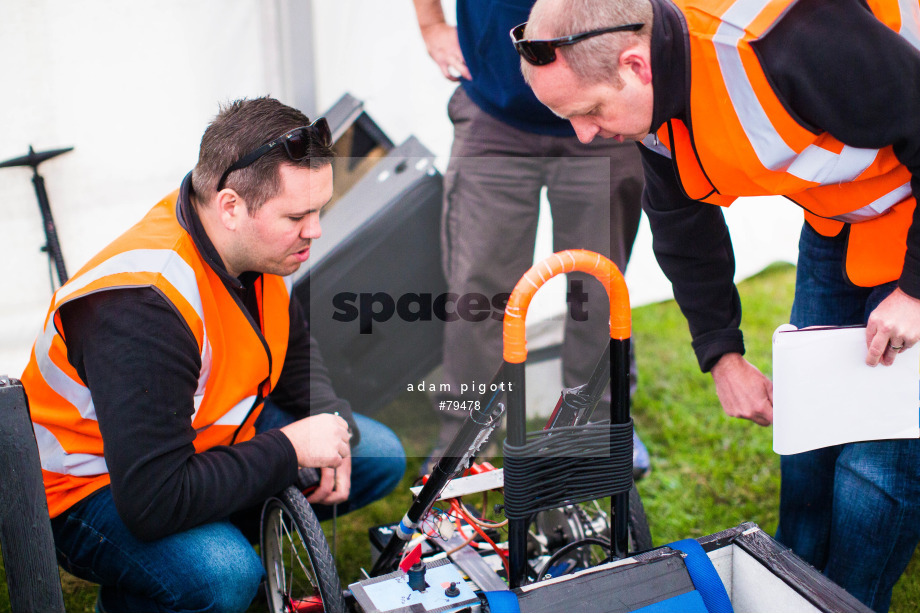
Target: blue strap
[[704, 576], [502, 601]]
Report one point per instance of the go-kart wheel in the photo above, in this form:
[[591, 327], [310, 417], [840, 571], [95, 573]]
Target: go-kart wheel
[[301, 574], [640, 536]]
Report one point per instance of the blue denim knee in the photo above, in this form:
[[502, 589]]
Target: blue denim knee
[[209, 568]]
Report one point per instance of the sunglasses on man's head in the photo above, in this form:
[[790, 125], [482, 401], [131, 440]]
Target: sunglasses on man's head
[[542, 52], [296, 143]]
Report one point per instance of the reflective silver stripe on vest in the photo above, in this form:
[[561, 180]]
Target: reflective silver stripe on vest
[[239, 412], [56, 460], [876, 208], [72, 391], [205, 372], [813, 163], [164, 262], [161, 261]]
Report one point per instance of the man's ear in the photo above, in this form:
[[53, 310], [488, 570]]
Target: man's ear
[[636, 60], [230, 208]]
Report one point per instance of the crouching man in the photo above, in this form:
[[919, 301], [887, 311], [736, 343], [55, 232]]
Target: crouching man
[[175, 385]]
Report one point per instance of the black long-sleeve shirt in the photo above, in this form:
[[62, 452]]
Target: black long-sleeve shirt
[[836, 69], [142, 364]]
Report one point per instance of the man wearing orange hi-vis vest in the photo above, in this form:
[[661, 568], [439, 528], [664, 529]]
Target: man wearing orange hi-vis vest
[[814, 101], [175, 385]]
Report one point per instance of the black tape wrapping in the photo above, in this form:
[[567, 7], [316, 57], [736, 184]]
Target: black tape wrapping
[[567, 465]]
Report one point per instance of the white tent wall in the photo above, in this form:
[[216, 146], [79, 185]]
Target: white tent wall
[[131, 86]]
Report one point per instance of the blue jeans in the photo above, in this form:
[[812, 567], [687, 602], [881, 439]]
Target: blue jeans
[[212, 567], [852, 510]]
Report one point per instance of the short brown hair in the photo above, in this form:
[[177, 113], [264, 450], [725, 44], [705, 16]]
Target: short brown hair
[[593, 60], [240, 127]]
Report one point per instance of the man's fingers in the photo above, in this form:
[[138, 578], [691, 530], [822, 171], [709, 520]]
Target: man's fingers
[[319, 495], [342, 482], [337, 456], [871, 331], [891, 352], [320, 441], [459, 70], [446, 71], [454, 69], [877, 347], [743, 390], [334, 487], [342, 486], [325, 488]]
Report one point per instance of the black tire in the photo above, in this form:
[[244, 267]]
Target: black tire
[[639, 533], [296, 556]]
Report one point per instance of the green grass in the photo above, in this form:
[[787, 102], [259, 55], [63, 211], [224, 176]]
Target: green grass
[[710, 472]]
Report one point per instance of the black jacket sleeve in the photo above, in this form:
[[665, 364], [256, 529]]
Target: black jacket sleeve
[[694, 249], [305, 387], [142, 388]]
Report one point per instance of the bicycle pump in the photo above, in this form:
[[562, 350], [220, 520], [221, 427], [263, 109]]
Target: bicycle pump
[[52, 246]]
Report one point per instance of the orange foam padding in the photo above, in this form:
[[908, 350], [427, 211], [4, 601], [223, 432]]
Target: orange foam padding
[[606, 272]]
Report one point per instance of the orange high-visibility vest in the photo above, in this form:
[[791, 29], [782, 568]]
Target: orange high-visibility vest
[[239, 364], [741, 141]]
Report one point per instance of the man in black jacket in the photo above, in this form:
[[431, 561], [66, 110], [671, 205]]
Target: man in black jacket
[[160, 356], [815, 101]]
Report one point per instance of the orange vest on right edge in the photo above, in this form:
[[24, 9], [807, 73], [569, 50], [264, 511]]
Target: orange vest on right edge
[[742, 142]]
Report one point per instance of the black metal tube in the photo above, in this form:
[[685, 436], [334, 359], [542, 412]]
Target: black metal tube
[[619, 374], [517, 436], [576, 405], [601, 375], [598, 382], [447, 467], [517, 416], [52, 245], [619, 414]]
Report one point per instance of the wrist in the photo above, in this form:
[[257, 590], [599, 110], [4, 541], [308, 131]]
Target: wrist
[[725, 362], [432, 24]]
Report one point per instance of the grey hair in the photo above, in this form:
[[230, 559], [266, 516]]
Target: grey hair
[[593, 60]]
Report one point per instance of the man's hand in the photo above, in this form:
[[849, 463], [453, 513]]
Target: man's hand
[[444, 48], [441, 39], [893, 327], [743, 390], [320, 441], [334, 484]]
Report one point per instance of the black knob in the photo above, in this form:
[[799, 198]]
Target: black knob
[[417, 577], [452, 590]]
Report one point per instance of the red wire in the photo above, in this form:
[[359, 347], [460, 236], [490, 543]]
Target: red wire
[[501, 553]]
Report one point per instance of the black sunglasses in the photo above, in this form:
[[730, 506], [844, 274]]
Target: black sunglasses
[[542, 52], [296, 143]]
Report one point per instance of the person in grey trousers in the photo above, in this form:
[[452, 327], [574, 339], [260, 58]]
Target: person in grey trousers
[[507, 148]]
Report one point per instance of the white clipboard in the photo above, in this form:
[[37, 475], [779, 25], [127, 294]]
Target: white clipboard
[[824, 394]]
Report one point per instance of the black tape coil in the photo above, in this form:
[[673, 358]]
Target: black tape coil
[[567, 465]]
